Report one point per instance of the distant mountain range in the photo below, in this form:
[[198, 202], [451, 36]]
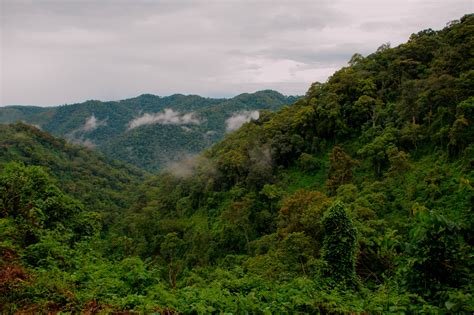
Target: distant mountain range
[[148, 131]]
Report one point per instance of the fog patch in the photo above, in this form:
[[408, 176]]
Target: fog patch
[[168, 117], [261, 166], [77, 136], [191, 165], [238, 119], [261, 156], [83, 142], [93, 123]]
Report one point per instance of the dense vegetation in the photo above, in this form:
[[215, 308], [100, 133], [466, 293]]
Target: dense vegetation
[[105, 125], [100, 183], [358, 197]]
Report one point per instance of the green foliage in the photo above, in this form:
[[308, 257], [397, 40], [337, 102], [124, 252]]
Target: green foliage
[[248, 226], [340, 170], [378, 149], [29, 197], [308, 163], [171, 249], [439, 256], [101, 184], [339, 248], [151, 146], [462, 128]]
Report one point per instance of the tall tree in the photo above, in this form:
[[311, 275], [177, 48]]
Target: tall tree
[[339, 247]]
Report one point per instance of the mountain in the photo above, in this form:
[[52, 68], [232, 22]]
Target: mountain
[[148, 131], [355, 199], [102, 184]]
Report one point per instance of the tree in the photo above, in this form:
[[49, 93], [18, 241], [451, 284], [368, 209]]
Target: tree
[[355, 59], [21, 188], [377, 150], [286, 147], [28, 195], [340, 170], [462, 130], [339, 247], [439, 255], [236, 220], [171, 250], [301, 211]]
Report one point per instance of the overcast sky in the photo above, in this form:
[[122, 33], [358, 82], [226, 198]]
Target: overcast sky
[[57, 52]]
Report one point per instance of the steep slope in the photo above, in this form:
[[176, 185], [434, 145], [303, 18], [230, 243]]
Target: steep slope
[[100, 183], [356, 198], [147, 131]]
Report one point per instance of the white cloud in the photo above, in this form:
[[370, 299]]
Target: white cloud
[[168, 117], [77, 136], [83, 142], [92, 123], [189, 164], [238, 119]]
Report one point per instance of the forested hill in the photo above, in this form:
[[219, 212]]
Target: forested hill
[[148, 131], [356, 199], [102, 184]]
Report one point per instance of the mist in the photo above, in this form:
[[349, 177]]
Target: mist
[[168, 117], [238, 119]]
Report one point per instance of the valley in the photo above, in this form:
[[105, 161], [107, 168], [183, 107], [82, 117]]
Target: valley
[[354, 198], [148, 131]]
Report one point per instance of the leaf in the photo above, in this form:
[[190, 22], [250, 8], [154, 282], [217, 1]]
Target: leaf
[[449, 305]]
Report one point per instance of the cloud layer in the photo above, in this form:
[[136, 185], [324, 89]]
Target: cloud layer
[[56, 52], [238, 119], [168, 117]]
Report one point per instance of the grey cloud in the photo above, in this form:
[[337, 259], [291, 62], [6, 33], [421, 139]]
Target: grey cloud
[[314, 57], [238, 119], [168, 117], [56, 52], [385, 25]]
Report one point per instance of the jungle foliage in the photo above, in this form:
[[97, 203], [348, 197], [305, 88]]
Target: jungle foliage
[[356, 198], [152, 146]]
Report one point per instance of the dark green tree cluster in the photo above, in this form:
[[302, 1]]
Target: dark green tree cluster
[[103, 185], [340, 243]]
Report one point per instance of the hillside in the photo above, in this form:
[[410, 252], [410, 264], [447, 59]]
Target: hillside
[[356, 199], [100, 183], [148, 131]]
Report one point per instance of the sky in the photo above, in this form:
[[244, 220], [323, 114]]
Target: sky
[[68, 51]]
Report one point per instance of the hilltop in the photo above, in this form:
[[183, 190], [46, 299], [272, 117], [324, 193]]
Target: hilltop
[[148, 131]]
